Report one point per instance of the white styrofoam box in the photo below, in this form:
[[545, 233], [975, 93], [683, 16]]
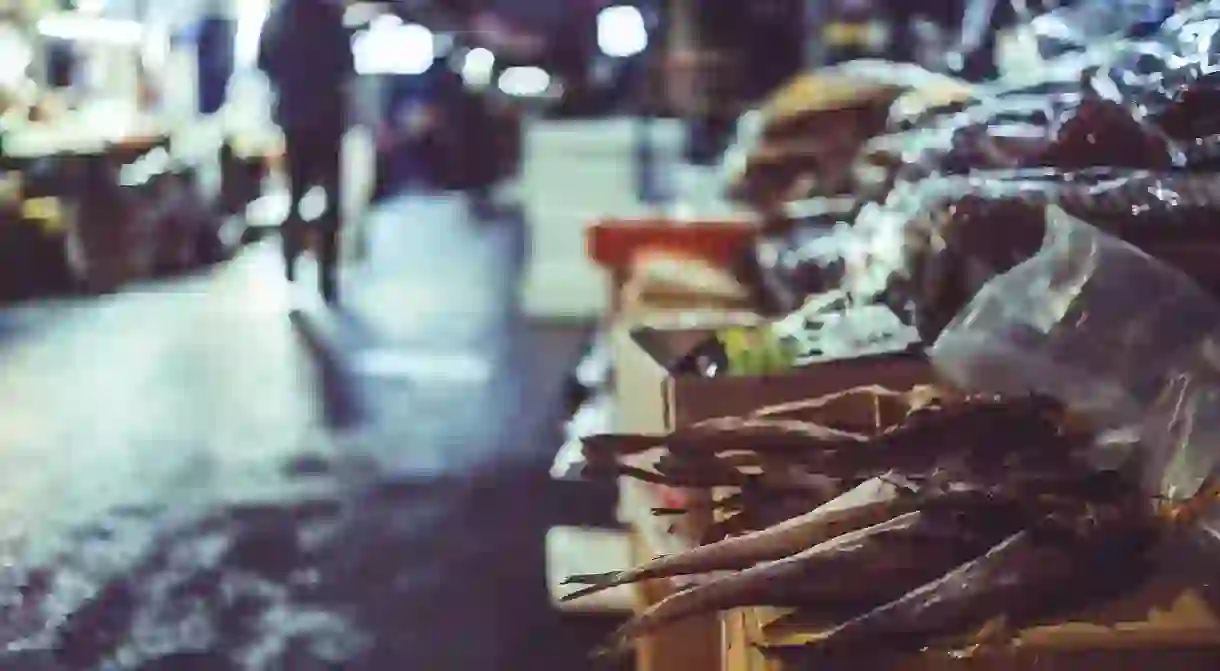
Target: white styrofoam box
[[571, 550]]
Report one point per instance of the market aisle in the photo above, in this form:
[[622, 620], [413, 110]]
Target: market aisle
[[191, 479]]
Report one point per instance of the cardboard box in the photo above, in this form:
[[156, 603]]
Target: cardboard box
[[572, 550], [615, 245], [1165, 625], [641, 406], [652, 401], [690, 645]]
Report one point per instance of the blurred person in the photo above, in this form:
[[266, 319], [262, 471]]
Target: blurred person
[[414, 113], [306, 53], [214, 44], [443, 134]]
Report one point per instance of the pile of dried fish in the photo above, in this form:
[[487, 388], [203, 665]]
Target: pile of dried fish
[[944, 515]]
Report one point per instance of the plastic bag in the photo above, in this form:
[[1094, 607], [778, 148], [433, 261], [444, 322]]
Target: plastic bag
[[1163, 90], [595, 369], [930, 247], [815, 335], [949, 143], [595, 416], [1082, 24], [1113, 333], [1067, 132], [1171, 77], [785, 266]]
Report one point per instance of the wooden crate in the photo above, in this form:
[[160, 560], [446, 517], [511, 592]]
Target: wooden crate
[[739, 632], [1167, 622], [691, 645], [1179, 631]]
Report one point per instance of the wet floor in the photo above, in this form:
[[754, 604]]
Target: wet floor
[[191, 478]]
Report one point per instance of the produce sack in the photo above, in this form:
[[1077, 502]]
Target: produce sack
[[801, 141], [1069, 132], [1059, 77], [1117, 335], [977, 136], [1083, 24], [1141, 103], [855, 84], [933, 244], [1170, 78]]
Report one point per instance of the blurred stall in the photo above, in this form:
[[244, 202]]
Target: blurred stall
[[110, 185], [859, 424]]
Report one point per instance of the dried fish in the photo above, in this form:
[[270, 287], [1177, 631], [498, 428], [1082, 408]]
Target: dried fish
[[961, 511], [619, 444], [867, 409], [870, 503], [983, 432], [985, 429], [693, 480], [742, 434], [858, 569], [1029, 574]]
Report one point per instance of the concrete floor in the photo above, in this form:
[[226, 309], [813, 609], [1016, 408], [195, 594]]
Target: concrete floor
[[192, 479]]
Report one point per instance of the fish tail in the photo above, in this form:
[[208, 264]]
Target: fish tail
[[621, 443], [623, 638], [589, 589], [608, 654], [591, 578], [643, 475]]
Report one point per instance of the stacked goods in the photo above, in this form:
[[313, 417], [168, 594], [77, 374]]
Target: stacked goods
[[799, 258], [1046, 249], [808, 133], [665, 279], [891, 524], [1123, 140], [957, 232]]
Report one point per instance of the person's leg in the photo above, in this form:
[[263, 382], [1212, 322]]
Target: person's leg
[[291, 234], [330, 172]]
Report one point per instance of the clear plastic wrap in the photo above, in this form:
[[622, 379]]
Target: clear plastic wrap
[[1076, 27], [785, 266], [594, 417], [934, 243], [1067, 132], [904, 247], [940, 144], [1120, 337], [1138, 103], [815, 335], [594, 370], [1171, 77]]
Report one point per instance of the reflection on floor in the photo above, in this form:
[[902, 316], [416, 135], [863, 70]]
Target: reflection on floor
[[191, 479]]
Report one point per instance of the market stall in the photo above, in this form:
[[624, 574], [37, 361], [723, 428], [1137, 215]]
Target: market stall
[[102, 198], [944, 399]]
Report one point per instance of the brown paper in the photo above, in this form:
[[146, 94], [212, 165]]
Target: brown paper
[[868, 409]]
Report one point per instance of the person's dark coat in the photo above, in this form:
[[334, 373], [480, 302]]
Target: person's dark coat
[[306, 53]]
